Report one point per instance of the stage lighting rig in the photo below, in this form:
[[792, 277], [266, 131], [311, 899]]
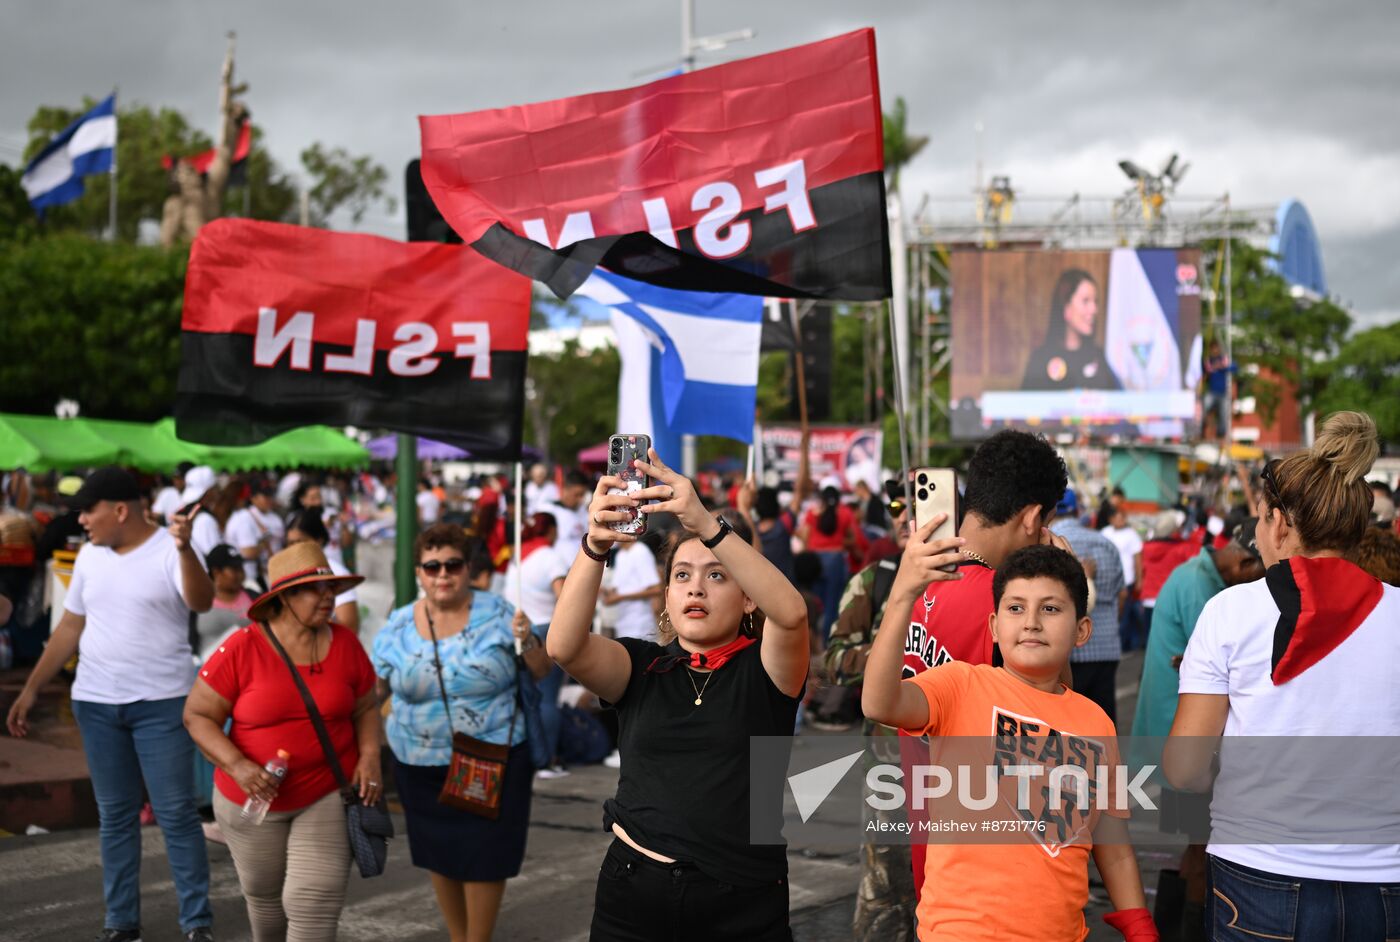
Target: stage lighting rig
[[995, 206]]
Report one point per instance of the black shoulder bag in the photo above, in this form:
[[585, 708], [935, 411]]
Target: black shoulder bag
[[369, 826]]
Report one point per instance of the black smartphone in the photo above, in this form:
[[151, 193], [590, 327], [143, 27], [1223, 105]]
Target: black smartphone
[[622, 451]]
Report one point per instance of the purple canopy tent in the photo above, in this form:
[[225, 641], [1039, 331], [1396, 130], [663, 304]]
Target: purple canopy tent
[[386, 448]]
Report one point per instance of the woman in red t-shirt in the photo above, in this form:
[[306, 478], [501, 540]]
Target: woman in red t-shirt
[[832, 532], [293, 865]]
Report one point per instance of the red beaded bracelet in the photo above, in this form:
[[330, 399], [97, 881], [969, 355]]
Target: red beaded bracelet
[[588, 551]]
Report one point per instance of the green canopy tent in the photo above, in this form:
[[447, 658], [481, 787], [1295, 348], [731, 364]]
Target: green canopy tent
[[315, 446], [43, 443], [39, 443]]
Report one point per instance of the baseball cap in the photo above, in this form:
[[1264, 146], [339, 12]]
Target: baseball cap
[[1069, 503], [197, 483], [1245, 537], [223, 556], [109, 483]]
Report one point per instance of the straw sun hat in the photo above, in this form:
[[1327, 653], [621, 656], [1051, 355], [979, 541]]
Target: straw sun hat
[[299, 564]]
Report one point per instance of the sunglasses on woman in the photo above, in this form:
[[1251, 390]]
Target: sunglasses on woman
[[453, 566], [1266, 477]]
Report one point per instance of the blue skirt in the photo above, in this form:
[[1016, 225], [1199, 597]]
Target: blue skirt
[[458, 844]]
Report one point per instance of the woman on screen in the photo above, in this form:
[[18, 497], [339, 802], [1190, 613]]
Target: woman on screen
[[1070, 357]]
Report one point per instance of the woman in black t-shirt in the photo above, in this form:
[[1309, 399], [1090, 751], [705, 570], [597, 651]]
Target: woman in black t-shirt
[[683, 863]]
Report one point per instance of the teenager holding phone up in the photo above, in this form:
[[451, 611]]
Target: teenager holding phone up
[[682, 864]]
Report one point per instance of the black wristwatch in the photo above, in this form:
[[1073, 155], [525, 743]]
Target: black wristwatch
[[724, 530]]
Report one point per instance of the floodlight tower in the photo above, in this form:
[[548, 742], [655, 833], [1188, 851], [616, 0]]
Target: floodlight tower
[[1151, 191], [994, 207], [691, 44]]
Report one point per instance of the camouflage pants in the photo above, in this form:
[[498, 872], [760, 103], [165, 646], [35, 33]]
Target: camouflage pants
[[886, 900]]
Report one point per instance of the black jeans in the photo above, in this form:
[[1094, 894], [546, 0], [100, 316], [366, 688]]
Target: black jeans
[[644, 900], [1098, 680]]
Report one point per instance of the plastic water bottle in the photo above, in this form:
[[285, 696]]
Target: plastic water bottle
[[255, 809]]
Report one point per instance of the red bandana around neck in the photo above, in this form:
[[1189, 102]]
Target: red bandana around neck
[[713, 660], [1321, 602]]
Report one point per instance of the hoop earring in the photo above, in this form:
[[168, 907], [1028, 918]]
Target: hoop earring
[[746, 625], [663, 624]]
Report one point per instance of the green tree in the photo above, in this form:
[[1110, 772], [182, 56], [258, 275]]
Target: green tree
[[341, 181], [90, 321], [1365, 376], [571, 399], [17, 218], [1272, 328], [900, 146]]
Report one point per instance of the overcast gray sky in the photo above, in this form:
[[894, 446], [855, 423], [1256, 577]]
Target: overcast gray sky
[[1268, 100]]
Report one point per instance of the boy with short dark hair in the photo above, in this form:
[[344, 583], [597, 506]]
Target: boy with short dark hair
[[1041, 615]]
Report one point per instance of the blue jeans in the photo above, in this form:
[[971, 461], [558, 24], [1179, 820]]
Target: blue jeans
[[1131, 623], [125, 745], [835, 574], [550, 717], [1247, 904]]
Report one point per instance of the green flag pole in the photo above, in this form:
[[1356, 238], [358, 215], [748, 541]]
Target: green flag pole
[[406, 520]]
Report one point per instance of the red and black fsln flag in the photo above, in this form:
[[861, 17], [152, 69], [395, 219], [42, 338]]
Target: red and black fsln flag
[[762, 176], [285, 326]]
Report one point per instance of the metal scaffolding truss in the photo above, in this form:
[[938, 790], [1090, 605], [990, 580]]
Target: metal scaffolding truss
[[1087, 222]]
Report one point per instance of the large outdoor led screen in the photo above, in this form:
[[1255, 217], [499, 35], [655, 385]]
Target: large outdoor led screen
[[1102, 342]]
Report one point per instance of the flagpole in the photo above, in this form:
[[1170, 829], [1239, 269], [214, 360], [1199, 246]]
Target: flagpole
[[899, 404], [112, 174], [519, 510]]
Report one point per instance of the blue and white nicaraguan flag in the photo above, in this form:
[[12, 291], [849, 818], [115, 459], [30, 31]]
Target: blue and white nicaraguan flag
[[689, 360], [86, 146], [1143, 325]]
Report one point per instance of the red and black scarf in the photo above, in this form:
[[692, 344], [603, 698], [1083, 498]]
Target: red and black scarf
[[1321, 601], [701, 660]]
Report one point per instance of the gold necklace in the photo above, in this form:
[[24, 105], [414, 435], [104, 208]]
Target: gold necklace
[[976, 558], [699, 691]]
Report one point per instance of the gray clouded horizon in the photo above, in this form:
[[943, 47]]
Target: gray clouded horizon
[[1267, 100]]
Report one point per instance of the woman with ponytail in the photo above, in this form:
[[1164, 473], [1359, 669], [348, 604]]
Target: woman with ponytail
[[834, 534], [1308, 849], [683, 863]]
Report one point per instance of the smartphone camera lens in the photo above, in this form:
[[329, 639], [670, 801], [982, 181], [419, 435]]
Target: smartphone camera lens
[[922, 494], [922, 479]]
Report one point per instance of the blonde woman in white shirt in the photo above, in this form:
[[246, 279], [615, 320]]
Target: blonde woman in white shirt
[[1308, 655]]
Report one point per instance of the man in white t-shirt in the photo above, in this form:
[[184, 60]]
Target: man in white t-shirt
[[1129, 546], [256, 531], [635, 586], [539, 489], [206, 533], [127, 617], [429, 507], [168, 499], [571, 512]]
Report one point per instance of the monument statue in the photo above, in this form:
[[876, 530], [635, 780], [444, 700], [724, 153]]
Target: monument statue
[[195, 198]]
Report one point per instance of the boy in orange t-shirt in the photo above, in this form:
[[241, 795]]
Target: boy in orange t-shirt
[[1027, 717]]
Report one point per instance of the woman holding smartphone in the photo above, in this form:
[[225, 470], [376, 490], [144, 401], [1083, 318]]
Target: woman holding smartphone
[[682, 858]]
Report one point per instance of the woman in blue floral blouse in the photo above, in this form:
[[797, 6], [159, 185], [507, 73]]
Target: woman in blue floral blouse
[[472, 635]]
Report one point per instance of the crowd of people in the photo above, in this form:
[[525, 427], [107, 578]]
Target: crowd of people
[[216, 628]]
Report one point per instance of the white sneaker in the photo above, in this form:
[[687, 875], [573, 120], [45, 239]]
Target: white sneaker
[[614, 761], [554, 771]]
